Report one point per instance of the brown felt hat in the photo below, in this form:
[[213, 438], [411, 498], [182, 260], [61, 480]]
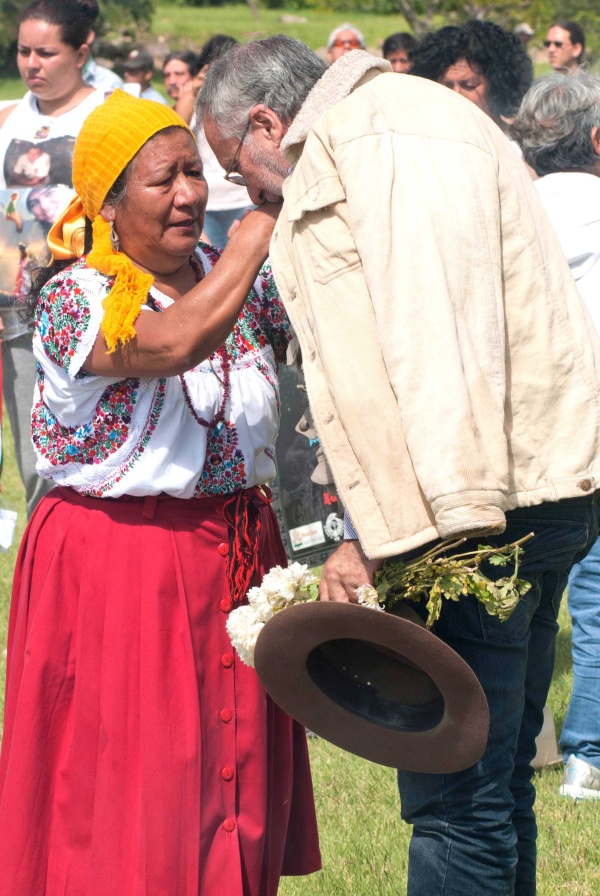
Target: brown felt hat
[[376, 684]]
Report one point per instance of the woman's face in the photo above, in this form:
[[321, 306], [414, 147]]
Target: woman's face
[[467, 81], [161, 218], [49, 67]]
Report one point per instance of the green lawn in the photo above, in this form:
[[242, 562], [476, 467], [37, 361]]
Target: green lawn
[[364, 843]]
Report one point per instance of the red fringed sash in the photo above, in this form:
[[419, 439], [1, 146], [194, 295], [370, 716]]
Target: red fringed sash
[[241, 513]]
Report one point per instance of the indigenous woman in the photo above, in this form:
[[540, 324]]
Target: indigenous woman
[[139, 757]]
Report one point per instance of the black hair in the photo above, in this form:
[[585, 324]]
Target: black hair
[[401, 40], [187, 57], [215, 47], [575, 32], [69, 15], [497, 54]]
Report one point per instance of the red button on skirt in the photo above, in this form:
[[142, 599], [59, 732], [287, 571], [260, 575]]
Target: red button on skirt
[[226, 715], [229, 825], [227, 773]]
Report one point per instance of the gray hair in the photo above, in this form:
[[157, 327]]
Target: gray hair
[[277, 71], [347, 26], [554, 124]]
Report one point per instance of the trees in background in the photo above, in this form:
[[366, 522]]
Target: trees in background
[[421, 16], [116, 15]]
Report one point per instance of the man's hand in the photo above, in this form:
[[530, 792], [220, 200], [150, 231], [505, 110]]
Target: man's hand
[[346, 570]]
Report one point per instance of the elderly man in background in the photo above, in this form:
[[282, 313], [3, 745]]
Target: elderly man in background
[[453, 379], [558, 127], [565, 43], [342, 39]]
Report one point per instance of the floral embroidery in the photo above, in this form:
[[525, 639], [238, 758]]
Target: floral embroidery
[[270, 377], [63, 315], [111, 481], [224, 468], [92, 442], [126, 413], [263, 320]]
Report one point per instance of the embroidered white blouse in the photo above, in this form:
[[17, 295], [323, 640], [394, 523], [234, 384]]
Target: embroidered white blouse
[[110, 437]]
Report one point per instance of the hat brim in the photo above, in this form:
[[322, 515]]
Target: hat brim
[[379, 685]]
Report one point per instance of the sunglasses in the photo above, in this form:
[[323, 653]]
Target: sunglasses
[[354, 43], [553, 43]]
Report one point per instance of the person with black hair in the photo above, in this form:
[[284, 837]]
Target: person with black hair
[[179, 68], [52, 49], [397, 49], [565, 43], [484, 63]]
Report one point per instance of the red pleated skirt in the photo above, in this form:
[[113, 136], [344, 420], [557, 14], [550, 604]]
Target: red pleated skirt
[[140, 757]]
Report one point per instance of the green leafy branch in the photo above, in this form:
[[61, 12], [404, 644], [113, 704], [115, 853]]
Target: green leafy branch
[[441, 577]]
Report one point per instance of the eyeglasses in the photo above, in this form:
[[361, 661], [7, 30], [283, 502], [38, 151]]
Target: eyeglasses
[[237, 178], [553, 43], [350, 42]]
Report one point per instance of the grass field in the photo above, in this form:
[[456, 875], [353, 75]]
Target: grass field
[[364, 842]]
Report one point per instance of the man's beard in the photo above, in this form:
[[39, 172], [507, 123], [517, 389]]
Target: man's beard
[[273, 169]]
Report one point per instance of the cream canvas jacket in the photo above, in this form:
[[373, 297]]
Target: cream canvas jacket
[[452, 369]]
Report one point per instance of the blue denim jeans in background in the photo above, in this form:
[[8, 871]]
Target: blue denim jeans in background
[[474, 831], [581, 731], [217, 224]]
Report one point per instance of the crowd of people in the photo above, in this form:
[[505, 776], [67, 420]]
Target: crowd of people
[[437, 259]]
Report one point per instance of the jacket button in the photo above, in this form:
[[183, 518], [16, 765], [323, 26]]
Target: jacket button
[[223, 549], [226, 715], [229, 825], [227, 660], [226, 605], [227, 773], [585, 485]]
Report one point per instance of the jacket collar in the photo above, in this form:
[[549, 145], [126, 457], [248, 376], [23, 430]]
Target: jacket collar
[[340, 79]]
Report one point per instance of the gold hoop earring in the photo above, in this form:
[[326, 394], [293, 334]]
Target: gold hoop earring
[[114, 238]]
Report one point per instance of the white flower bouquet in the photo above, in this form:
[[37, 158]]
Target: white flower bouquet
[[435, 575]]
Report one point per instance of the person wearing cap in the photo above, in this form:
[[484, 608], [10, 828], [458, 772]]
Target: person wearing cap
[[342, 40], [565, 43], [453, 376], [524, 32], [139, 755], [138, 68]]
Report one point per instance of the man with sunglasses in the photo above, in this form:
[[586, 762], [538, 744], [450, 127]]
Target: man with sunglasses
[[343, 39], [565, 44]]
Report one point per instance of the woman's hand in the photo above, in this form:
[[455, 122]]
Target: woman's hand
[[198, 323]]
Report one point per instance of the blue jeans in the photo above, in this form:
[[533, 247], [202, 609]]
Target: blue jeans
[[581, 731], [474, 831], [217, 223]]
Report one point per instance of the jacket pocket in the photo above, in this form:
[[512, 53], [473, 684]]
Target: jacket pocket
[[321, 219]]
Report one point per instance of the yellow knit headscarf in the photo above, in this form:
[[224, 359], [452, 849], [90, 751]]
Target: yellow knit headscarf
[[109, 139]]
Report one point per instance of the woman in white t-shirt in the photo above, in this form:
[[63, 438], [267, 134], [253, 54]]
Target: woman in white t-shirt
[[52, 50]]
